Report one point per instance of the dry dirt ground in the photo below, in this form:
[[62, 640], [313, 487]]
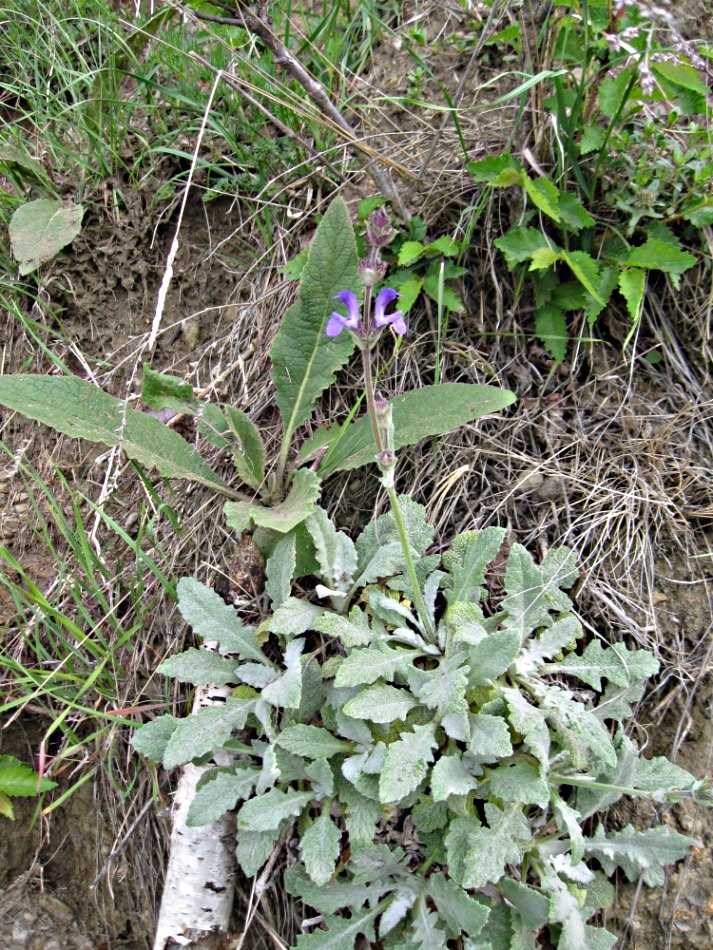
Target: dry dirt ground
[[608, 455]]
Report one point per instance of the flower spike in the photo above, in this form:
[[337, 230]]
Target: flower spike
[[337, 322], [381, 319]]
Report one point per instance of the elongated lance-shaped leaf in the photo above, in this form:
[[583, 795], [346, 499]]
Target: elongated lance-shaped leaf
[[304, 358], [78, 408]]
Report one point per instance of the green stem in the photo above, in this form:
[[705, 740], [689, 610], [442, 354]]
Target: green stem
[[410, 566]]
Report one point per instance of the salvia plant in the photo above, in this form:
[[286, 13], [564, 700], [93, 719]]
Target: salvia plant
[[429, 737]]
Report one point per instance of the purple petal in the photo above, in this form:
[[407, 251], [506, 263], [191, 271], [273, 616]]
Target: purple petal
[[336, 324], [381, 319], [398, 323], [352, 304]]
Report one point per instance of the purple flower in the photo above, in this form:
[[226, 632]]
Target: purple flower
[[381, 319], [337, 322]]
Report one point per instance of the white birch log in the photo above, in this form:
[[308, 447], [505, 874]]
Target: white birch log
[[200, 879]]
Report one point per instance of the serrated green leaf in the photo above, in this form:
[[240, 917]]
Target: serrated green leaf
[[495, 169], [212, 619], [304, 358], [467, 561], [280, 569], [530, 722], [543, 194], [551, 641], [250, 459], [658, 774], [40, 229], [637, 852], [152, 738], [406, 763], [207, 729], [417, 415], [341, 932], [449, 776], [563, 711], [519, 244], [544, 257], [253, 850], [199, 667], [444, 687], [427, 935], [384, 531], [618, 664], [657, 254], [410, 251], [311, 742], [266, 812], [551, 329], [490, 848], [613, 92], [320, 773], [680, 74], [81, 410], [534, 592], [381, 703], [339, 894], [632, 284], [220, 794], [401, 903], [367, 665], [320, 849], [283, 517], [336, 553], [492, 657], [18, 779], [442, 294], [571, 209]]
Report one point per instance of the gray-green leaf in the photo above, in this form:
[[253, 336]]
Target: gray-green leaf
[[381, 703], [320, 849], [40, 229], [266, 812], [407, 762], [219, 794], [212, 619], [199, 667], [205, 730], [311, 742]]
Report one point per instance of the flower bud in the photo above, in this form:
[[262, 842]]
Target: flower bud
[[378, 228]]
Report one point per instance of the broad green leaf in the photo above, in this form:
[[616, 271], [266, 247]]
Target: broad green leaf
[[219, 794], [616, 663], [490, 737], [205, 730], [152, 738], [336, 553], [637, 852], [199, 667], [79, 409], [591, 800], [551, 329], [534, 591], [386, 560], [519, 782], [532, 906], [352, 632], [680, 74], [250, 461], [495, 169], [461, 912], [339, 894], [632, 284], [294, 617], [253, 850], [444, 245], [566, 713], [657, 254], [586, 270], [613, 92], [571, 209], [320, 849], [160, 391], [417, 415], [410, 252], [40, 229], [286, 690], [320, 773], [519, 244], [311, 742], [657, 774], [304, 358], [280, 569], [441, 294], [212, 619], [490, 848], [492, 656], [563, 633], [449, 776], [406, 763], [467, 561], [381, 703], [283, 517], [266, 812], [530, 722], [17, 778], [543, 194], [402, 902], [544, 257], [341, 932], [366, 666], [444, 687], [427, 935]]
